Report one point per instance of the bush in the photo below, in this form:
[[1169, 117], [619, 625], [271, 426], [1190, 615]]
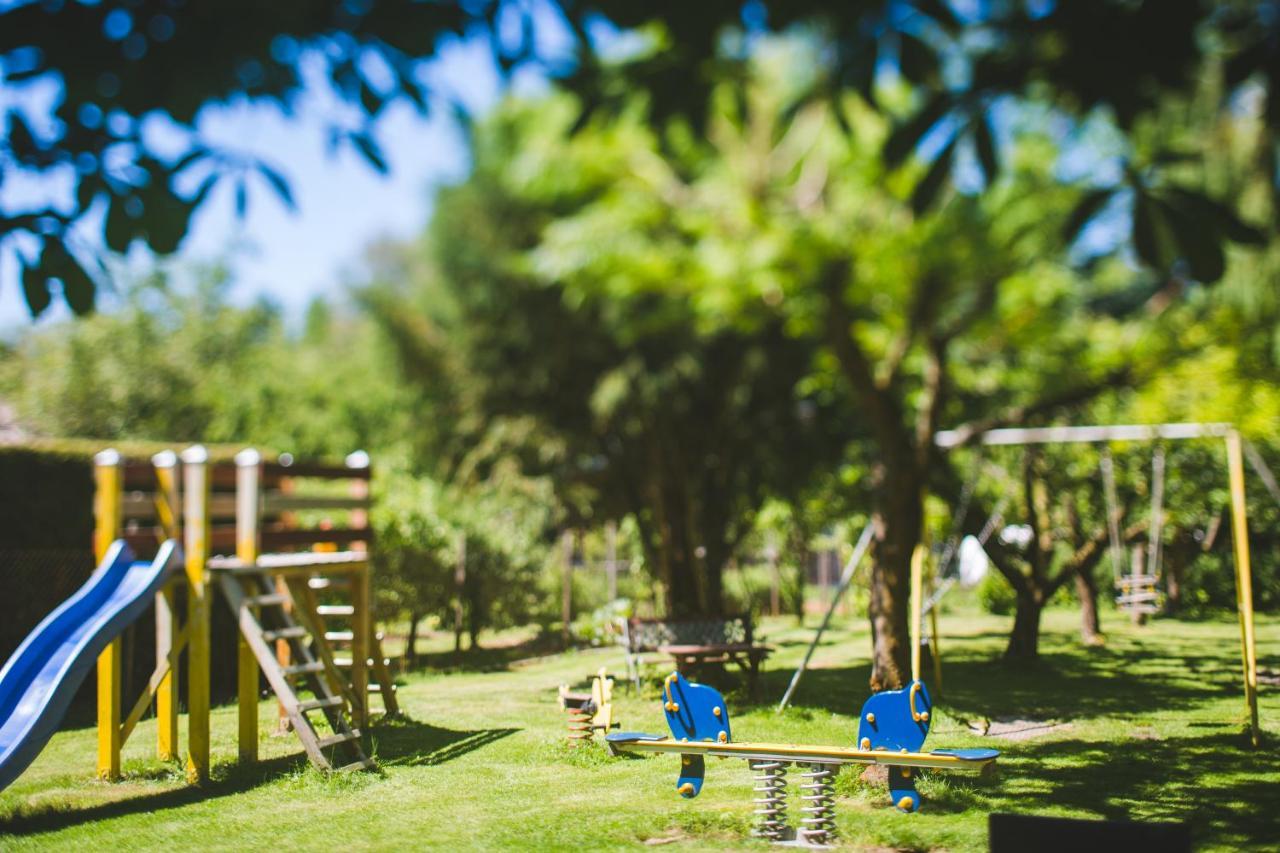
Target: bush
[[996, 595], [600, 626]]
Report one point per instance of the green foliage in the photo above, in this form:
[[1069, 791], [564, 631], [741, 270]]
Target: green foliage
[[600, 626], [417, 548], [179, 362], [116, 66], [996, 595], [558, 314], [422, 527]]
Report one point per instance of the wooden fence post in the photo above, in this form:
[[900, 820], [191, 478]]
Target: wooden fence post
[[248, 512], [361, 599], [108, 513], [169, 508], [195, 476]]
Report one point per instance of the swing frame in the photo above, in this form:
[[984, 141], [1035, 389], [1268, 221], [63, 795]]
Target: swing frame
[[1236, 449]]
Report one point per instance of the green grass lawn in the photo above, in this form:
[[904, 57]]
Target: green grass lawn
[[1153, 725]]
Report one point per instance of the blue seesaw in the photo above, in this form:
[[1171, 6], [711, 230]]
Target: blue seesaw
[[891, 731]]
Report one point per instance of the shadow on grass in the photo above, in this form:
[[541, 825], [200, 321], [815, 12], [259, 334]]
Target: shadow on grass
[[227, 780], [1064, 685], [494, 658], [395, 742], [1215, 783], [403, 742]]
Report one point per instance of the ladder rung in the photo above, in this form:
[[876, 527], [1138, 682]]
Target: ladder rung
[[340, 636], [326, 583], [290, 633], [362, 764], [317, 704], [300, 668], [336, 610], [269, 600], [334, 740]]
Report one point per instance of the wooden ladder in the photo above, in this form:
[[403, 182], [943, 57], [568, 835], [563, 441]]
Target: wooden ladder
[[382, 682], [265, 617]]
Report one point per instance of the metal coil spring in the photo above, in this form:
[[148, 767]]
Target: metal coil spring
[[818, 795], [771, 799], [580, 728]]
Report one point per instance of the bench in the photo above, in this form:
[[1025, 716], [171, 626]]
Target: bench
[[691, 643]]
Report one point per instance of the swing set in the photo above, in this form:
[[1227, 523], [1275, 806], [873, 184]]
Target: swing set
[[1138, 591]]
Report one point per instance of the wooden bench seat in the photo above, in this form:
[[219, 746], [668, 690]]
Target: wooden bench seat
[[690, 643]]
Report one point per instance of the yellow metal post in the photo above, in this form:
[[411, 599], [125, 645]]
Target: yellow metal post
[[917, 584], [1244, 581], [169, 508], [108, 513], [248, 506], [935, 649], [195, 462]]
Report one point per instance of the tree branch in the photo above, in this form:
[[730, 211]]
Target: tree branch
[[1017, 415], [923, 305], [1091, 552], [981, 307], [931, 400]]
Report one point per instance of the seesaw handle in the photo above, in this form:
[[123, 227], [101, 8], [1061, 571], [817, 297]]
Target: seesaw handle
[[918, 716]]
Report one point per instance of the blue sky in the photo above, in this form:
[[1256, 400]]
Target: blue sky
[[342, 204]]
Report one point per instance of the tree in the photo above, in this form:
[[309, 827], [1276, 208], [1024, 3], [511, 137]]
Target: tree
[[1063, 545], [636, 408], [178, 361], [968, 313]]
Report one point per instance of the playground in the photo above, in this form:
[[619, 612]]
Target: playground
[[533, 424], [1149, 729]]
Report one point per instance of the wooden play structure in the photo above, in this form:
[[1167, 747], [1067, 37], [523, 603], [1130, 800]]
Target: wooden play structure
[[892, 727], [266, 536]]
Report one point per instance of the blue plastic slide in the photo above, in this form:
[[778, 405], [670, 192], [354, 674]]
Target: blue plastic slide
[[39, 681]]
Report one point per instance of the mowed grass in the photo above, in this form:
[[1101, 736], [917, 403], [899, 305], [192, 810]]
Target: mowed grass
[[1154, 724]]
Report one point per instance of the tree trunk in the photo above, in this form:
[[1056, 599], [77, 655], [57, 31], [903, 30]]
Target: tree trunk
[[1024, 640], [899, 524], [1087, 590], [475, 611], [459, 581], [1137, 567], [802, 577], [1172, 585], [411, 646], [692, 574]]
